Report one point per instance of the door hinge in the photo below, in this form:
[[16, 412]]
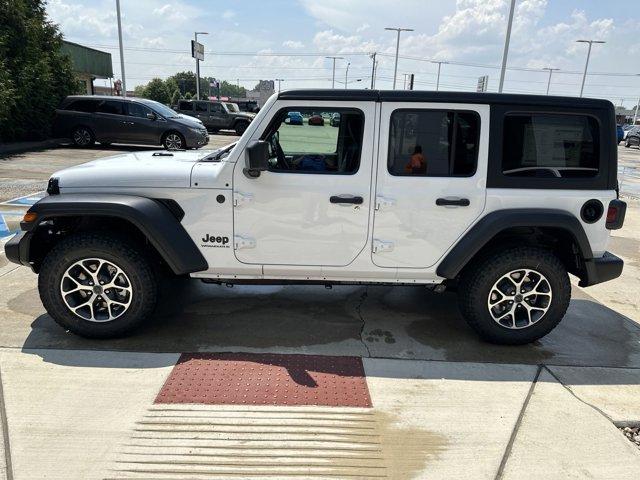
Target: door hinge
[[240, 199], [382, 202], [243, 242], [382, 246]]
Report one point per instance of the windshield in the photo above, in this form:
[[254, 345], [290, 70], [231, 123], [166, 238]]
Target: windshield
[[160, 108], [232, 107], [219, 153]]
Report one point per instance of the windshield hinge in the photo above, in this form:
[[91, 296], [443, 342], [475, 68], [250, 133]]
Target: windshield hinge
[[240, 242]]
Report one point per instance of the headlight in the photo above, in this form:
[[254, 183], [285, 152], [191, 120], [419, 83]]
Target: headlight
[[195, 130]]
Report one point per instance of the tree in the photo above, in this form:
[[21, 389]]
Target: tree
[[175, 97], [157, 90], [230, 90], [188, 96], [34, 73]]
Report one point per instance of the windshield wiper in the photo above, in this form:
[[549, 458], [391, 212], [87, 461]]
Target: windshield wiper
[[217, 154]]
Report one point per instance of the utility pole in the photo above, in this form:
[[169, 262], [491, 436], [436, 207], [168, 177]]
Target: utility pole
[[505, 53], [279, 80], [586, 65], [198, 66], [373, 69], [551, 70], [333, 77], [438, 77], [395, 68], [124, 82], [346, 75]]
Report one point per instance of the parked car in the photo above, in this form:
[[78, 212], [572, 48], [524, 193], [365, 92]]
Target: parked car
[[619, 133], [334, 121], [317, 120], [250, 106], [295, 118], [633, 137], [217, 115], [105, 119], [96, 240]]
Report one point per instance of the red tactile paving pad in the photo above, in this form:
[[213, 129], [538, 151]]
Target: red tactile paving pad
[[266, 379]]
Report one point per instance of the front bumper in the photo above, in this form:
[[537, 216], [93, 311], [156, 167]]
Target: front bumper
[[602, 269], [17, 248], [195, 140]]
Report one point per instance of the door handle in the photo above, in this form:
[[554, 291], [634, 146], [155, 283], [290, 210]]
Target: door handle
[[455, 202], [128, 123], [350, 199]]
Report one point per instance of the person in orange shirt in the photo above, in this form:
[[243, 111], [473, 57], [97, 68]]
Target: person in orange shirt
[[417, 164]]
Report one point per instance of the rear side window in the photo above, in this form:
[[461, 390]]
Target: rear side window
[[110, 106], [202, 107], [88, 106], [433, 143], [184, 105], [550, 146]]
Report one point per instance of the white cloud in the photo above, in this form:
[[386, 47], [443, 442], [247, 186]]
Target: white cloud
[[228, 14], [293, 44]]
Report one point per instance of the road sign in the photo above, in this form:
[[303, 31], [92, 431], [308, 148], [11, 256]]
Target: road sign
[[197, 50], [483, 83]]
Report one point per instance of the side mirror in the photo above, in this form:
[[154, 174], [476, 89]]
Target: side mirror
[[257, 158], [152, 116]]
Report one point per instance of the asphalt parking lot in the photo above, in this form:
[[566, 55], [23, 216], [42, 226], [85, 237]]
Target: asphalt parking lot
[[439, 403]]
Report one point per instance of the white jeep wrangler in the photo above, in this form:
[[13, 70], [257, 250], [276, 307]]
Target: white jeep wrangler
[[499, 196]]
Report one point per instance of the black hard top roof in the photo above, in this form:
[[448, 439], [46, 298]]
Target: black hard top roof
[[443, 97]]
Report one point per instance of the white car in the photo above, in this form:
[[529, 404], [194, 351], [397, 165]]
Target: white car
[[499, 196]]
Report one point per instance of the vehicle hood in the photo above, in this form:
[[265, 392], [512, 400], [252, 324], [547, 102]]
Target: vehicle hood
[[187, 121], [139, 169], [247, 115]]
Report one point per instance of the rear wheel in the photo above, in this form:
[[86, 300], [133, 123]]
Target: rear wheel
[[173, 141], [515, 296], [97, 285], [82, 137]]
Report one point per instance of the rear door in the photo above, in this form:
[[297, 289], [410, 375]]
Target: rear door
[[201, 110], [431, 180], [110, 120]]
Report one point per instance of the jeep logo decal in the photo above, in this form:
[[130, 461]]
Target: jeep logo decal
[[215, 241]]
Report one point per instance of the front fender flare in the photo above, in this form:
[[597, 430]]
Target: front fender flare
[[495, 222], [155, 220]]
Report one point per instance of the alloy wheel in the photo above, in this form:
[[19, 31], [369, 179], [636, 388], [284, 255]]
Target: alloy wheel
[[96, 290], [173, 142], [519, 299]]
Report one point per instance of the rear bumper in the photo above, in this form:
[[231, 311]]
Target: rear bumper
[[602, 269], [17, 248]]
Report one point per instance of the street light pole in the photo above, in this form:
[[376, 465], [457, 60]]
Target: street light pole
[[395, 68], [346, 75], [551, 70], [586, 65], [438, 77], [333, 77], [505, 53], [373, 69], [124, 82], [198, 66]]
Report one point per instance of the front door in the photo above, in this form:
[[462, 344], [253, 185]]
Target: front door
[[431, 181], [218, 116], [312, 206], [140, 128]]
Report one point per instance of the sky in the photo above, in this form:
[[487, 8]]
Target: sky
[[252, 40]]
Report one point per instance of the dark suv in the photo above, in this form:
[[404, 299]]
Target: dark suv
[[217, 115], [87, 119]]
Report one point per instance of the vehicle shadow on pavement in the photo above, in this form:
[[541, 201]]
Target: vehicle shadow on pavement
[[381, 322]]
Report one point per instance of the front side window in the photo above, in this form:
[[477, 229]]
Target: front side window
[[304, 140], [113, 107], [216, 109], [137, 110], [550, 145], [433, 143]]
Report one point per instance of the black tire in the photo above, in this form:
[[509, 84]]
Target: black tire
[[627, 144], [479, 278], [83, 136], [241, 127], [113, 249], [173, 140]]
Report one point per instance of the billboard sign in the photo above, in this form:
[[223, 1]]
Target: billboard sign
[[483, 83], [197, 50]]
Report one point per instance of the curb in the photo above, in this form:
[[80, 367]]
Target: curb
[[21, 147]]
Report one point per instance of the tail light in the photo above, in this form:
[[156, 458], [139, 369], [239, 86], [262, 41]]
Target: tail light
[[615, 214]]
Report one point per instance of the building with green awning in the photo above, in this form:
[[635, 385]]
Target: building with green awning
[[88, 64]]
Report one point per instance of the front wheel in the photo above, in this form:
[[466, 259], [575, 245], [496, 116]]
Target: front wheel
[[515, 296], [241, 127], [97, 285], [173, 141]]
